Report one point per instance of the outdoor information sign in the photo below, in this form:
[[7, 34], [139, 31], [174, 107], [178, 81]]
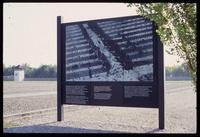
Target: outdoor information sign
[[110, 62]]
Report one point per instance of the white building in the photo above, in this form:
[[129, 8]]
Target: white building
[[18, 73]]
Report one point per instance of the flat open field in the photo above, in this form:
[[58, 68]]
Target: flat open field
[[21, 97]]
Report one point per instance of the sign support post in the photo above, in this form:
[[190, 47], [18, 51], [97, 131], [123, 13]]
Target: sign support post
[[160, 83], [60, 109]]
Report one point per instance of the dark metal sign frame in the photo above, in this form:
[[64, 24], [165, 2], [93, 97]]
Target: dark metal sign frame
[[158, 73]]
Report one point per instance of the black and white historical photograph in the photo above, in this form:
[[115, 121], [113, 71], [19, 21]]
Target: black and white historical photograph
[[119, 49]]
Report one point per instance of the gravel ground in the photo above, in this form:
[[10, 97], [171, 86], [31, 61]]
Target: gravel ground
[[180, 117], [25, 104], [17, 105], [28, 86]]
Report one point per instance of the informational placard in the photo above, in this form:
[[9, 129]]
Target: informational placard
[[110, 62]]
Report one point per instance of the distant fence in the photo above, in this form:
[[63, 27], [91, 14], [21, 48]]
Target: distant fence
[[8, 78], [40, 79], [11, 78], [177, 78]]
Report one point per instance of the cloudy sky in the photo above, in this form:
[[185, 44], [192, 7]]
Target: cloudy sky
[[29, 29]]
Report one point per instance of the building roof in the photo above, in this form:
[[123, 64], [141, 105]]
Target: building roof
[[18, 67]]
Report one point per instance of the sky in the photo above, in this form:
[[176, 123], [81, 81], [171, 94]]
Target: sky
[[29, 29]]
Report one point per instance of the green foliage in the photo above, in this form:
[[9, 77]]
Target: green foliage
[[176, 27], [45, 71], [178, 71], [7, 71], [28, 70]]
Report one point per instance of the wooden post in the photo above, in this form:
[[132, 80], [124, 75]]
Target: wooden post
[[60, 109]]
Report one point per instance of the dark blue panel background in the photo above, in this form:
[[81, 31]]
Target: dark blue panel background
[[118, 92]]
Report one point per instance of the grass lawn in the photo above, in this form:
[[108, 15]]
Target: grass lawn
[[10, 125]]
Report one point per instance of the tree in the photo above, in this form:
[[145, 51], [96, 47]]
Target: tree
[[170, 70], [176, 27], [8, 71], [45, 71], [178, 71], [27, 70]]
